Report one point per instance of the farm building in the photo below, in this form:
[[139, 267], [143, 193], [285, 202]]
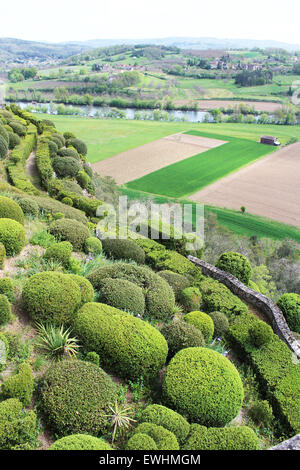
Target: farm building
[[269, 140]]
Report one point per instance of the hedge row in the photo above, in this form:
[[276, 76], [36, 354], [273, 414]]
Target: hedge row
[[29, 118], [43, 163], [273, 363]]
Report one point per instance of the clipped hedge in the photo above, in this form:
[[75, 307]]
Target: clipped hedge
[[191, 299], [2, 255], [7, 288], [86, 288], [217, 297], [51, 206], [43, 163], [236, 264], [169, 419], [123, 294], [51, 297], [290, 306], [29, 206], [9, 209], [12, 236], [203, 322], [123, 249], [221, 323], [163, 438], [5, 310], [60, 252], [20, 385], [72, 231], [80, 442], [18, 428], [93, 246], [240, 438], [75, 396], [176, 281], [140, 441], [204, 386], [180, 335], [126, 344]]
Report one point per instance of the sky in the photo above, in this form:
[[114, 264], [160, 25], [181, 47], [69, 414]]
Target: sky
[[71, 20]]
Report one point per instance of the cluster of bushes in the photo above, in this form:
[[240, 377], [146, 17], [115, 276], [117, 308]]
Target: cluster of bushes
[[43, 162], [12, 236], [9, 209], [237, 265], [290, 306], [230, 438], [18, 428], [72, 231], [180, 335]]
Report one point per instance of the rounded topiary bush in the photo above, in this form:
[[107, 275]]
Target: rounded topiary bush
[[5, 310], [18, 128], [80, 442], [221, 323], [123, 294], [260, 334], [126, 344], [51, 297], [83, 179], [169, 419], [14, 140], [9, 209], [163, 438], [18, 428], [230, 438], [68, 201], [140, 441], [93, 246], [290, 306], [3, 147], [176, 281], [191, 299], [2, 255], [7, 288], [203, 322], [86, 288], [236, 264], [180, 335], [12, 236], [20, 385], [69, 152], [60, 252], [29, 206], [78, 145], [72, 231], [4, 133], [204, 386], [123, 249], [66, 166], [53, 148], [75, 397]]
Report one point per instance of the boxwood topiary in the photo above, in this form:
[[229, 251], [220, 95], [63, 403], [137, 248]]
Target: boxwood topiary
[[217, 297], [164, 439], [140, 441], [14, 140], [126, 344], [180, 335], [2, 255], [9, 209], [93, 246], [191, 299], [78, 145], [70, 230], [5, 310], [203, 322], [236, 264], [51, 297], [12, 236], [290, 306], [123, 249], [60, 252], [80, 442], [123, 294], [86, 288], [69, 152], [66, 166], [204, 386], [3, 147], [7, 288], [20, 385], [230, 438], [18, 427], [260, 334], [221, 323], [169, 419], [178, 282], [75, 396], [29, 206]]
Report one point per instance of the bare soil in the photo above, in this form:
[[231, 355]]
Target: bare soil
[[140, 161], [269, 187]]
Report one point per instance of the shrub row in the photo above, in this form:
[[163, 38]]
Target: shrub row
[[230, 438], [43, 163]]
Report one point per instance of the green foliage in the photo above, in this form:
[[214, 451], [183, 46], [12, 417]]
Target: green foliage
[[169, 419], [221, 323], [217, 297], [7, 288], [18, 128], [3, 147], [53, 149], [29, 206], [17, 427], [80, 442], [43, 238], [69, 152], [204, 386], [75, 396], [237, 265], [93, 246], [86, 288], [126, 344], [72, 231], [51, 297], [14, 140], [261, 413], [191, 299], [140, 441], [60, 252], [4, 134], [260, 334], [67, 200], [64, 167], [93, 357], [43, 163], [123, 249], [9, 209], [176, 281], [163, 438], [123, 294], [290, 306], [20, 386], [12, 236], [180, 335], [240, 438], [2, 255], [5, 349], [78, 145], [56, 342], [5, 310], [203, 322], [83, 179]]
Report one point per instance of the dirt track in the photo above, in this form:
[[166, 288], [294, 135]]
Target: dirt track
[[140, 161], [269, 187]]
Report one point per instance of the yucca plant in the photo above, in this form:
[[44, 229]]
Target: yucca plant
[[56, 342], [120, 418]]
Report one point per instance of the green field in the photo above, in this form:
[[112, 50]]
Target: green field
[[194, 173]]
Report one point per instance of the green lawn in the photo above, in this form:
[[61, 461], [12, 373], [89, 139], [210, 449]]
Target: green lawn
[[194, 173]]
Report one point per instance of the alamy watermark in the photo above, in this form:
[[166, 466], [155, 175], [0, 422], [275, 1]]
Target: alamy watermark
[[154, 221]]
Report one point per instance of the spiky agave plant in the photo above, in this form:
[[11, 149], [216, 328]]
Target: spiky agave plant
[[56, 342], [120, 418]]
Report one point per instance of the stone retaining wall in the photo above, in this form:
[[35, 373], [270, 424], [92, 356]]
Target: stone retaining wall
[[259, 301]]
